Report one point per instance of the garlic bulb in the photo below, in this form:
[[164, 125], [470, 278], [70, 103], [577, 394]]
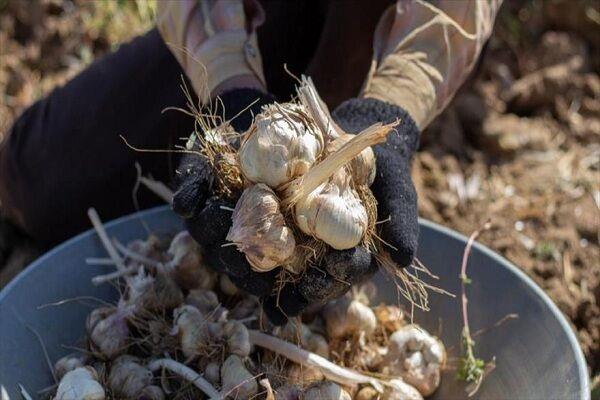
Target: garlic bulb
[[186, 261], [299, 333], [326, 391], [68, 363], [207, 302], [237, 381], [417, 357], [212, 373], [195, 332], [282, 145], [80, 384], [128, 377], [238, 339], [333, 213], [108, 331], [346, 317], [259, 229], [390, 317]]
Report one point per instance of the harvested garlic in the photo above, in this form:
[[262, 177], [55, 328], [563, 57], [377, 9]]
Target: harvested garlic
[[400, 390], [237, 381], [108, 331], [346, 317], [389, 317], [325, 391], [281, 146], [186, 262], [80, 384], [333, 213], [259, 230], [238, 340], [195, 332], [153, 292], [68, 363], [417, 357], [128, 377]]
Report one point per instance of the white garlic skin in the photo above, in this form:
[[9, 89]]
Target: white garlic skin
[[333, 213], [325, 391], [280, 148], [108, 331], [362, 167], [259, 231], [417, 357], [347, 317], [67, 364], [80, 384], [400, 390], [237, 381], [128, 377]]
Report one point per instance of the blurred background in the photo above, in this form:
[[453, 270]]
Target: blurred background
[[520, 143]]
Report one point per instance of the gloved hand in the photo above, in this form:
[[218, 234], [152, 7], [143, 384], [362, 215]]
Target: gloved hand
[[208, 221]]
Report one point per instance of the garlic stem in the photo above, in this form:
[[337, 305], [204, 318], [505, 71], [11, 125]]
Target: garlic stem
[[318, 109], [298, 355], [137, 257], [319, 173], [108, 246], [186, 373]]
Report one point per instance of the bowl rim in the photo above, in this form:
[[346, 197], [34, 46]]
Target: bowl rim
[[582, 364]]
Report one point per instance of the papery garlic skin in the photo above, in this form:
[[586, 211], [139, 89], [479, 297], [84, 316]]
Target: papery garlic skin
[[400, 390], [362, 167], [333, 213], [237, 381], [417, 357], [80, 384], [108, 331], [280, 148], [238, 339], [259, 230], [186, 261]]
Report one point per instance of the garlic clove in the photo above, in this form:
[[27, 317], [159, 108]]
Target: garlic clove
[[259, 230], [333, 213], [127, 377], [400, 390], [80, 384], [326, 391], [208, 303], [212, 373], [281, 146], [417, 357], [237, 381], [346, 317]]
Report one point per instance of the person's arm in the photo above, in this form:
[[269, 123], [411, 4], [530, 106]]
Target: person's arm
[[64, 153]]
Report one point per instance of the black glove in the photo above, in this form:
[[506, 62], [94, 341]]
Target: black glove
[[209, 223]]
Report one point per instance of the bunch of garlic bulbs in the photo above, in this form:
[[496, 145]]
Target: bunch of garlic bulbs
[[298, 163]]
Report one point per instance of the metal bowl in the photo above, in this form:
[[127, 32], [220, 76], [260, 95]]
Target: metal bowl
[[537, 355]]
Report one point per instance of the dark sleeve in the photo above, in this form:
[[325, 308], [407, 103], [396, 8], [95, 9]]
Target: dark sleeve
[[64, 154]]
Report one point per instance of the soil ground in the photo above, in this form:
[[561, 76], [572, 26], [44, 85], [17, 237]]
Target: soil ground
[[518, 145]]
